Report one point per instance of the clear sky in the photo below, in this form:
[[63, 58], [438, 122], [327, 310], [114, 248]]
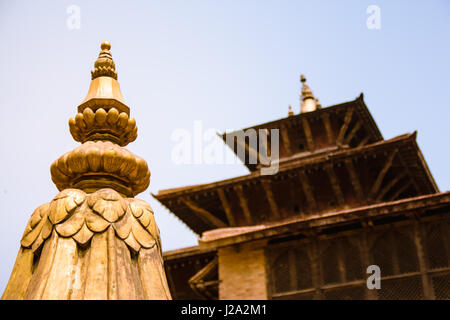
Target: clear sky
[[228, 64]]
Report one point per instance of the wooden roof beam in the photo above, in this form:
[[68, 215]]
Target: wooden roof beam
[[203, 214], [364, 141], [199, 285], [354, 180], [307, 190], [328, 129], [267, 186], [250, 152], [226, 207], [413, 180], [264, 144], [335, 184], [379, 180], [352, 133], [285, 138], [389, 186], [308, 134], [243, 202], [399, 191], [344, 127]]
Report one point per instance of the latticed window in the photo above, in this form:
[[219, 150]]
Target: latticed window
[[437, 244], [414, 259], [292, 269], [394, 251], [341, 260]]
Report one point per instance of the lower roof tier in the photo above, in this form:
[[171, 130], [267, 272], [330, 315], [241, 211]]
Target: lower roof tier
[[187, 266], [387, 170]]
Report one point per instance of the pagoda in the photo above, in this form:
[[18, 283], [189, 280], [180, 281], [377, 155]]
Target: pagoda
[[342, 200], [94, 240]]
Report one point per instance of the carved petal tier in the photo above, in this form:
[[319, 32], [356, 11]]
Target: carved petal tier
[[101, 164], [103, 125], [90, 246]]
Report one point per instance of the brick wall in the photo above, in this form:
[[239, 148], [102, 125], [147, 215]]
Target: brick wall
[[242, 272]]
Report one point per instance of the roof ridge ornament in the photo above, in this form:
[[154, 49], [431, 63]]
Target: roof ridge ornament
[[319, 106], [307, 99], [291, 112]]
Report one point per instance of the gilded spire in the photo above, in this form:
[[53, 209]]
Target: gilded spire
[[307, 99], [103, 115], [103, 126], [104, 90]]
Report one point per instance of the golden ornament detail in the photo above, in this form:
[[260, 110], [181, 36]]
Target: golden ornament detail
[[73, 213], [104, 65], [104, 126], [90, 125], [101, 164]]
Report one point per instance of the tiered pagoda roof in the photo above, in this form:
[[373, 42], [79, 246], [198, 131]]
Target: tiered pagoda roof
[[333, 165], [331, 159]]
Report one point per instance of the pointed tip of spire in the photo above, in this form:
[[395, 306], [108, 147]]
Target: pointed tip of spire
[[306, 91], [307, 99], [106, 45], [104, 90], [104, 65]]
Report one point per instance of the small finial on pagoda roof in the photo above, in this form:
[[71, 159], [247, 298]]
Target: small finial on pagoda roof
[[291, 112], [318, 105], [307, 99]]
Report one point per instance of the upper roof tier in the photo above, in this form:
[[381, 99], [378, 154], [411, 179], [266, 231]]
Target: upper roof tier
[[330, 159], [345, 125]]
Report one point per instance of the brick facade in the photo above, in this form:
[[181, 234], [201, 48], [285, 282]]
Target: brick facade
[[242, 272]]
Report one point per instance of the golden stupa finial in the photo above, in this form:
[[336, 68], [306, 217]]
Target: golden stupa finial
[[291, 112], [94, 229], [307, 99], [104, 90], [103, 125], [104, 65]]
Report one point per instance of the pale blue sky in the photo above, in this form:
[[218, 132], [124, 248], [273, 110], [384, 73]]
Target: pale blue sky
[[229, 64]]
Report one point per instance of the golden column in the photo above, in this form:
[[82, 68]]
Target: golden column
[[94, 240]]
